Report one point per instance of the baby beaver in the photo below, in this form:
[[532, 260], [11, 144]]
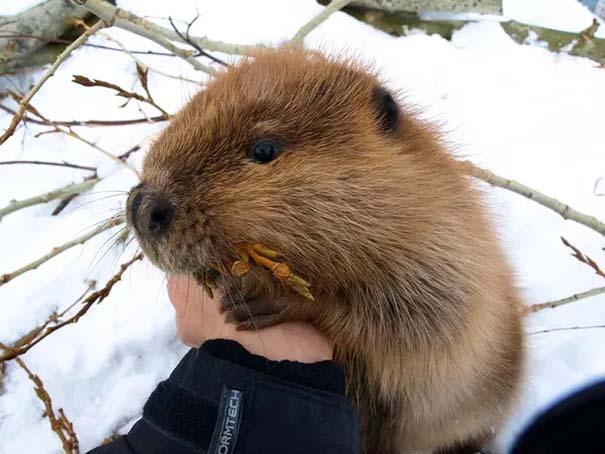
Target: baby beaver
[[312, 157]]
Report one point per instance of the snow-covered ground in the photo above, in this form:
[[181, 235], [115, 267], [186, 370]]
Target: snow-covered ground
[[520, 111]]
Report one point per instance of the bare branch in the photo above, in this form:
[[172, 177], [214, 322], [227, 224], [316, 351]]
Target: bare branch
[[52, 318], [187, 38], [95, 297], [144, 65], [48, 163], [334, 6], [128, 21], [583, 258], [142, 74], [59, 249], [569, 328], [59, 423], [571, 299], [558, 207], [75, 188], [128, 152], [71, 133], [47, 40], [49, 73], [69, 123]]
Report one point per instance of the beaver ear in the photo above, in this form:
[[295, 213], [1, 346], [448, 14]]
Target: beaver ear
[[386, 109]]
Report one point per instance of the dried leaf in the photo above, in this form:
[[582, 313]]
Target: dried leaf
[[142, 75]]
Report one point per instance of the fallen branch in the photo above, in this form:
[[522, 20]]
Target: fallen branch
[[49, 73], [476, 6], [583, 258], [332, 7], [583, 44], [59, 249], [75, 188], [95, 297], [558, 207], [59, 423], [571, 299]]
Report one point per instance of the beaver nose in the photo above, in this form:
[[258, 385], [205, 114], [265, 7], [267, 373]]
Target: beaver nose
[[151, 213], [160, 216]]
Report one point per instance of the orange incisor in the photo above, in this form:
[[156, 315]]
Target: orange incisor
[[266, 257], [263, 256]]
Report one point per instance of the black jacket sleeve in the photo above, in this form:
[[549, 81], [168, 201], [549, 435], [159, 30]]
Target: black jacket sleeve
[[573, 425], [221, 399]]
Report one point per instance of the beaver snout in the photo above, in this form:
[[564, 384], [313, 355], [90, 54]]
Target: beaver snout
[[149, 213]]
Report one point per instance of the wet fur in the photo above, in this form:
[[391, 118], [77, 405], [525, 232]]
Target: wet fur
[[409, 281]]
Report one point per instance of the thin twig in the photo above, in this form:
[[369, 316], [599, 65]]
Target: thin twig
[[74, 188], [187, 38], [128, 152], [94, 46], [59, 249], [583, 258], [59, 423], [128, 21], [52, 318], [135, 24], [71, 133], [95, 297], [49, 163], [559, 207], [134, 121], [334, 6], [49, 73], [184, 54], [142, 74], [571, 299], [569, 328], [63, 204], [144, 65]]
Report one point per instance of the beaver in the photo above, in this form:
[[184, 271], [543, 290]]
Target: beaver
[[312, 156]]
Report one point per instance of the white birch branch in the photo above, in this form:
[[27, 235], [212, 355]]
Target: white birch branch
[[74, 188], [59, 249], [563, 301], [557, 206], [334, 6]]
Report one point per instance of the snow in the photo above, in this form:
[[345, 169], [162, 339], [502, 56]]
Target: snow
[[520, 111]]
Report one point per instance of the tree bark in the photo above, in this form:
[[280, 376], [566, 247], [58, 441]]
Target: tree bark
[[456, 6], [22, 35]]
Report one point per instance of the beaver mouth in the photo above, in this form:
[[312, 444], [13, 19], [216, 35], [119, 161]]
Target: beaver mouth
[[170, 238], [251, 255]]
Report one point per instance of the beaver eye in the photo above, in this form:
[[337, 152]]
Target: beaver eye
[[264, 151]]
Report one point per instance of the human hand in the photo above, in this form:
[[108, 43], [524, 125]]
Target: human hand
[[198, 319]]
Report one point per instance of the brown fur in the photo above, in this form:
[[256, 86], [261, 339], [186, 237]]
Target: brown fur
[[409, 281]]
